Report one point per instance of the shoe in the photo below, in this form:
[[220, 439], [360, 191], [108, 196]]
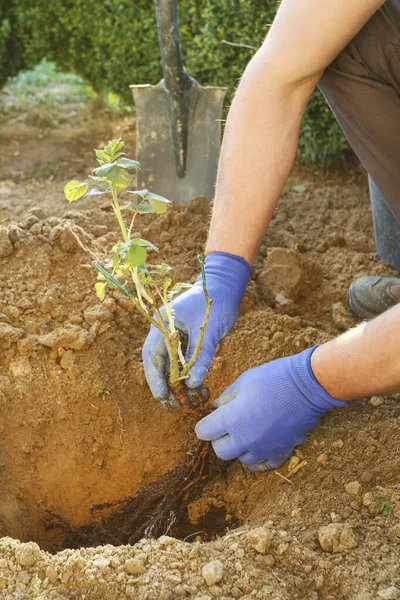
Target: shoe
[[371, 295]]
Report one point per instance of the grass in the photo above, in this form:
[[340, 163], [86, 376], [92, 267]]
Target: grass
[[44, 87]]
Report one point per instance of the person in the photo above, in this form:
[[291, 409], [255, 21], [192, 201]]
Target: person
[[351, 49]]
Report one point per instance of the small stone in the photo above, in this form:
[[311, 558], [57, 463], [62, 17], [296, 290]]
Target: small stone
[[390, 593], [16, 234], [376, 401], [282, 548], [166, 540], [72, 338], [27, 554], [39, 213], [341, 317], [336, 537], [99, 230], [36, 229], [338, 444], [307, 569], [6, 246], [133, 566], [98, 313], [28, 221], [322, 459], [366, 476], [213, 572], [21, 367], [9, 335], [353, 488], [67, 360], [51, 574], [174, 578], [368, 499], [260, 539]]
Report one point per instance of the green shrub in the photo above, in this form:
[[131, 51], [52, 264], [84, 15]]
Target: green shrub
[[113, 43]]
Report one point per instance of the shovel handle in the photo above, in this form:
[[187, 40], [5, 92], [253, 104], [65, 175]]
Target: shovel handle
[[176, 79], [177, 83]]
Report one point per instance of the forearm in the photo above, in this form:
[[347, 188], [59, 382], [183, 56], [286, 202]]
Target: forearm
[[363, 361], [257, 153]]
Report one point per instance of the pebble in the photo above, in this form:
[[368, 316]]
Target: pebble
[[376, 401], [6, 246], [51, 574], [213, 572], [368, 499], [174, 578], [353, 488], [322, 459], [338, 444], [28, 221], [99, 230], [366, 476], [260, 540], [336, 537], [390, 593], [38, 213], [282, 548], [27, 554], [16, 234], [134, 567]]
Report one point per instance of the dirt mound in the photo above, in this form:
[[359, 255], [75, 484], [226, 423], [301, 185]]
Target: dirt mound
[[79, 427]]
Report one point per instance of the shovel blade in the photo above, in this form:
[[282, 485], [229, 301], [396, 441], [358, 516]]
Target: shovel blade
[[155, 147]]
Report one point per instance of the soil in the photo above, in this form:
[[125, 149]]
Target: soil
[[78, 424]]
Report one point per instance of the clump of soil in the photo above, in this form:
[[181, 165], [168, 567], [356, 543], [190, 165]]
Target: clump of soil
[[79, 426]]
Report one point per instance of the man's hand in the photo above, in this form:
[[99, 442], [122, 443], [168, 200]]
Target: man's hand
[[266, 413], [227, 277]]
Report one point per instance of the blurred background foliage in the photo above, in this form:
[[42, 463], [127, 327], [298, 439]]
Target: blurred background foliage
[[113, 43]]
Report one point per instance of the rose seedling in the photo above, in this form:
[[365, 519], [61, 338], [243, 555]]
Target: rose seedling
[[146, 283]]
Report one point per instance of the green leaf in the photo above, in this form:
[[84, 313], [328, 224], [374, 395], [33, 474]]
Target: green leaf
[[386, 509], [102, 156], [100, 290], [114, 146], [113, 282], [299, 188], [127, 163], [145, 209], [115, 260], [178, 287], [118, 178], [96, 192], [136, 256], [104, 170], [158, 203], [144, 243], [75, 190]]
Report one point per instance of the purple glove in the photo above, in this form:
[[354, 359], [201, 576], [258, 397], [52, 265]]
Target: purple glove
[[266, 413], [227, 277]]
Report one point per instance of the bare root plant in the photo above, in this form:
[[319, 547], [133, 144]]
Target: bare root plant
[[148, 285]]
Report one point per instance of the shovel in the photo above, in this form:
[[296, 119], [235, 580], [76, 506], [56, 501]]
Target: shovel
[[178, 123]]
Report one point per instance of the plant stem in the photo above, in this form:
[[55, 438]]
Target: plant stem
[[191, 362], [117, 210]]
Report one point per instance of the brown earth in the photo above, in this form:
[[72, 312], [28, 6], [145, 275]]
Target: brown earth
[[65, 446]]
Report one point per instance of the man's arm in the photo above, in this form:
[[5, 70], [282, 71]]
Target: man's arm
[[262, 129], [267, 412], [363, 361]]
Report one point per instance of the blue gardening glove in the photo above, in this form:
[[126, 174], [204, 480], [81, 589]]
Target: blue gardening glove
[[266, 413], [227, 277]]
